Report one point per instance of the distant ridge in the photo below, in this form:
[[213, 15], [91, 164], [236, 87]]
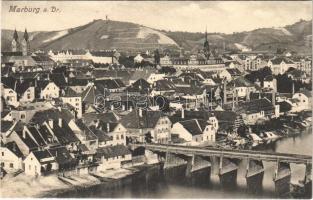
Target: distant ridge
[[106, 34]]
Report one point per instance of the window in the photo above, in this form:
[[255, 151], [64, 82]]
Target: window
[[22, 116], [11, 165], [29, 167], [122, 136], [117, 137], [2, 153], [2, 164], [28, 96]]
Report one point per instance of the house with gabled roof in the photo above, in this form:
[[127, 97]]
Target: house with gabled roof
[[46, 90], [84, 134], [69, 96], [140, 122], [11, 157], [230, 73], [116, 131], [113, 157], [254, 110], [40, 162], [194, 131], [280, 65]]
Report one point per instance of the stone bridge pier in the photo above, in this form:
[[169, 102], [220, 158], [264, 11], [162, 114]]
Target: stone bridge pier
[[174, 160], [308, 179], [196, 163], [254, 174], [227, 170], [282, 177]]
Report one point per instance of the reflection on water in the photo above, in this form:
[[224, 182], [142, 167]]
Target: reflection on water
[[173, 183]]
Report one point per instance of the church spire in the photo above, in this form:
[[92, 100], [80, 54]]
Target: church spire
[[206, 33], [15, 35], [26, 35], [206, 46]]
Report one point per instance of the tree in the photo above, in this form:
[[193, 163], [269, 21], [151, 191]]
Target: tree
[[128, 62], [242, 130], [156, 57], [148, 137]]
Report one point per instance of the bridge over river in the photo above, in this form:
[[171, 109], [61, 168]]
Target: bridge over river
[[227, 160]]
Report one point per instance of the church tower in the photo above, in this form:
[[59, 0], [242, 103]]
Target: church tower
[[15, 43], [206, 45], [25, 44]]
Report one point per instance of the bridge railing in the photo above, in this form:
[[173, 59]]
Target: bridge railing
[[231, 153]]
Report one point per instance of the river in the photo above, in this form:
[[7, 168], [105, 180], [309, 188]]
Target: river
[[154, 183]]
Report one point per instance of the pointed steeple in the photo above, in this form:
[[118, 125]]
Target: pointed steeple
[[15, 35], [206, 33], [26, 35], [206, 45]]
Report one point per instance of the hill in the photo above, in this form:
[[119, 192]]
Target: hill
[[125, 36]]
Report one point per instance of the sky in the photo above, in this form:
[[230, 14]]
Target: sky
[[192, 16]]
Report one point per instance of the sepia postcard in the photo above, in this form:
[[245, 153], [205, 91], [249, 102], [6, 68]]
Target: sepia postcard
[[156, 99]]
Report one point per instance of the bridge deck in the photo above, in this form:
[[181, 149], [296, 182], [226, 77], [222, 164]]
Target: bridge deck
[[229, 153]]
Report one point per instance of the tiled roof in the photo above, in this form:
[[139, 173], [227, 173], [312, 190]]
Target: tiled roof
[[269, 78], [255, 106], [61, 155], [64, 134], [112, 151], [6, 125], [234, 71], [101, 135], [104, 117], [109, 83], [42, 58], [194, 126], [140, 85], [27, 139], [69, 92], [190, 114], [89, 135], [149, 119], [102, 53], [42, 116], [240, 82], [12, 146], [43, 156]]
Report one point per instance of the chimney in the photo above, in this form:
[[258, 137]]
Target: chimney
[[14, 146], [140, 112], [293, 88], [225, 95], [123, 107], [108, 127], [236, 91], [59, 108], [248, 95], [273, 98], [183, 113], [24, 134], [112, 107], [60, 122], [50, 122]]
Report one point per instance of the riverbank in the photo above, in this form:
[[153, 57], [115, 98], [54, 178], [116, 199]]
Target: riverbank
[[52, 185]]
